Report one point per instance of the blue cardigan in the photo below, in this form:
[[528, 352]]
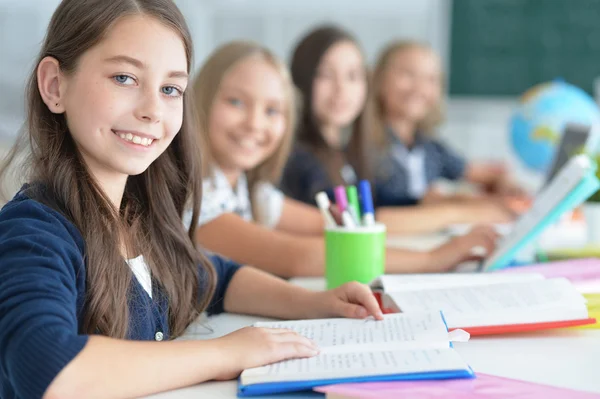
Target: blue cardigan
[[42, 291]]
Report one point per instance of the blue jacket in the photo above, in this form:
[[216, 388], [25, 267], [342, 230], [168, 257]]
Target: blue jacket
[[42, 291]]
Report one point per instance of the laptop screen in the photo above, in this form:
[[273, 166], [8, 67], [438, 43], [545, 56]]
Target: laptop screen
[[574, 140]]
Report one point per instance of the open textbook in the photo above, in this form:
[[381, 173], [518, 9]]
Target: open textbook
[[400, 347], [488, 303], [412, 282]]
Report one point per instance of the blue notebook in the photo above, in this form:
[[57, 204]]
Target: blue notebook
[[413, 346], [579, 176]]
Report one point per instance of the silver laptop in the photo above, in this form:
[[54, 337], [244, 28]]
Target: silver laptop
[[576, 137]]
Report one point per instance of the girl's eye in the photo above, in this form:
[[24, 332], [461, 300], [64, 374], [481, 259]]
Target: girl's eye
[[235, 102], [172, 91], [272, 111], [353, 76], [123, 79]]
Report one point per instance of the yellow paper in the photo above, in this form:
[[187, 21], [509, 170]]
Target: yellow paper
[[589, 251], [593, 306]]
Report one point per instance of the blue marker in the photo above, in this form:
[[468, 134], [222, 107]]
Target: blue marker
[[366, 200]]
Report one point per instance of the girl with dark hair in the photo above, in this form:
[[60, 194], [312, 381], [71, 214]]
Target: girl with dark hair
[[335, 141]]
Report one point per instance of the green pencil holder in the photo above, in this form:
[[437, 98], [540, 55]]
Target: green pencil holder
[[356, 254]]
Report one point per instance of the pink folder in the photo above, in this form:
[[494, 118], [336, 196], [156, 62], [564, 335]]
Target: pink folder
[[484, 386], [576, 270]]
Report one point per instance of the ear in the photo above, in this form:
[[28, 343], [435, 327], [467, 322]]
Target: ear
[[51, 84]]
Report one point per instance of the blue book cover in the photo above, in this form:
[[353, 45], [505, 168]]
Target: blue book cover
[[294, 386]]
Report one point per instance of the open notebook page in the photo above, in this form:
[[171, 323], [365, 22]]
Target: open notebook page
[[411, 282], [509, 303], [400, 331], [357, 364]]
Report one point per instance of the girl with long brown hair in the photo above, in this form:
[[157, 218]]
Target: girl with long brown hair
[[94, 258], [336, 137], [247, 109]]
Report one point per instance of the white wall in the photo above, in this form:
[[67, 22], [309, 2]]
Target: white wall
[[475, 126], [279, 24], [22, 27]]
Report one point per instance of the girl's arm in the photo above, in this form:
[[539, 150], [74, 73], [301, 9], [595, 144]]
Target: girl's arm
[[112, 368], [449, 255], [428, 218], [283, 254], [277, 252], [288, 255], [300, 218], [245, 295], [132, 369], [494, 178], [486, 174]]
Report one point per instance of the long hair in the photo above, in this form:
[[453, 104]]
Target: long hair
[[433, 118], [206, 87], [149, 218], [305, 62]]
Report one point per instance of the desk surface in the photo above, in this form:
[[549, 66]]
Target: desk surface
[[566, 358]]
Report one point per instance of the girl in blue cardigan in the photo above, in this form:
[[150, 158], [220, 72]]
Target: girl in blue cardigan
[[94, 260]]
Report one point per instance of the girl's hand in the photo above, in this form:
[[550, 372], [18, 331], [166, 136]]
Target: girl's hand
[[433, 196], [255, 347], [479, 243], [490, 210], [352, 300], [506, 186]]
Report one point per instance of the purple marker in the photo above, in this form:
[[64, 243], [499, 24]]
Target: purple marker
[[342, 203]]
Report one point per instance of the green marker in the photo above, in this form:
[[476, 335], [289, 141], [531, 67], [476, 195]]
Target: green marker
[[353, 206]]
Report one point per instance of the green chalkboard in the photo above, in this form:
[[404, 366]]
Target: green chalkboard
[[503, 47]]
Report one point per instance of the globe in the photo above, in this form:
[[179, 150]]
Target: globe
[[541, 116]]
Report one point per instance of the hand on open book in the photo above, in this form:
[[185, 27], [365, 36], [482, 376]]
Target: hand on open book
[[479, 243], [255, 347], [352, 300]]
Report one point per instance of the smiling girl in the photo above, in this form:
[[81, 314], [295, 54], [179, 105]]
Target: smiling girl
[[95, 263], [408, 85]]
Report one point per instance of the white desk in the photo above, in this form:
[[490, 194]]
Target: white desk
[[565, 358]]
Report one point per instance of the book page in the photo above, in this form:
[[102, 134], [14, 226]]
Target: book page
[[544, 300], [356, 364], [421, 329], [412, 282]]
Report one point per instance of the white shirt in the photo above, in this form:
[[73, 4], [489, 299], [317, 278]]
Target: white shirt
[[141, 271], [414, 163], [218, 198]]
